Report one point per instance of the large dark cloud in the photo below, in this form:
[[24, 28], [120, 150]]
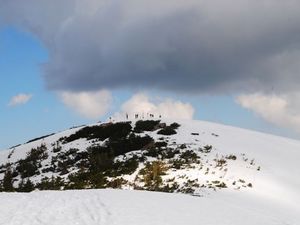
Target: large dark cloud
[[194, 46]]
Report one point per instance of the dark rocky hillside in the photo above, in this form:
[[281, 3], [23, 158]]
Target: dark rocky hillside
[[143, 155]]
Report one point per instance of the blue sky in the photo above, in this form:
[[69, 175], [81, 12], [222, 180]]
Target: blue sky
[[20, 67], [20, 60]]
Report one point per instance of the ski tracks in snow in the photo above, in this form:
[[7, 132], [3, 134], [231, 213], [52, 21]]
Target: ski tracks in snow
[[67, 210], [115, 207]]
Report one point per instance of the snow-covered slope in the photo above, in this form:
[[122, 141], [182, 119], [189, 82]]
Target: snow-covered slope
[[112, 207], [260, 173]]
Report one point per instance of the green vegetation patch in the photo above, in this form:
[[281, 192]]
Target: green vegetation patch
[[146, 125], [102, 132]]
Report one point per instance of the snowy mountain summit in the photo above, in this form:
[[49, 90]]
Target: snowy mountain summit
[[192, 157]]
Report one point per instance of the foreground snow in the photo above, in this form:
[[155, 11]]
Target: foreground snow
[[116, 207]]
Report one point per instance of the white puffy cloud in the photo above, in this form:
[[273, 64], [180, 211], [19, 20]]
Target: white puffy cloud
[[19, 99], [88, 104], [281, 110], [168, 108]]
